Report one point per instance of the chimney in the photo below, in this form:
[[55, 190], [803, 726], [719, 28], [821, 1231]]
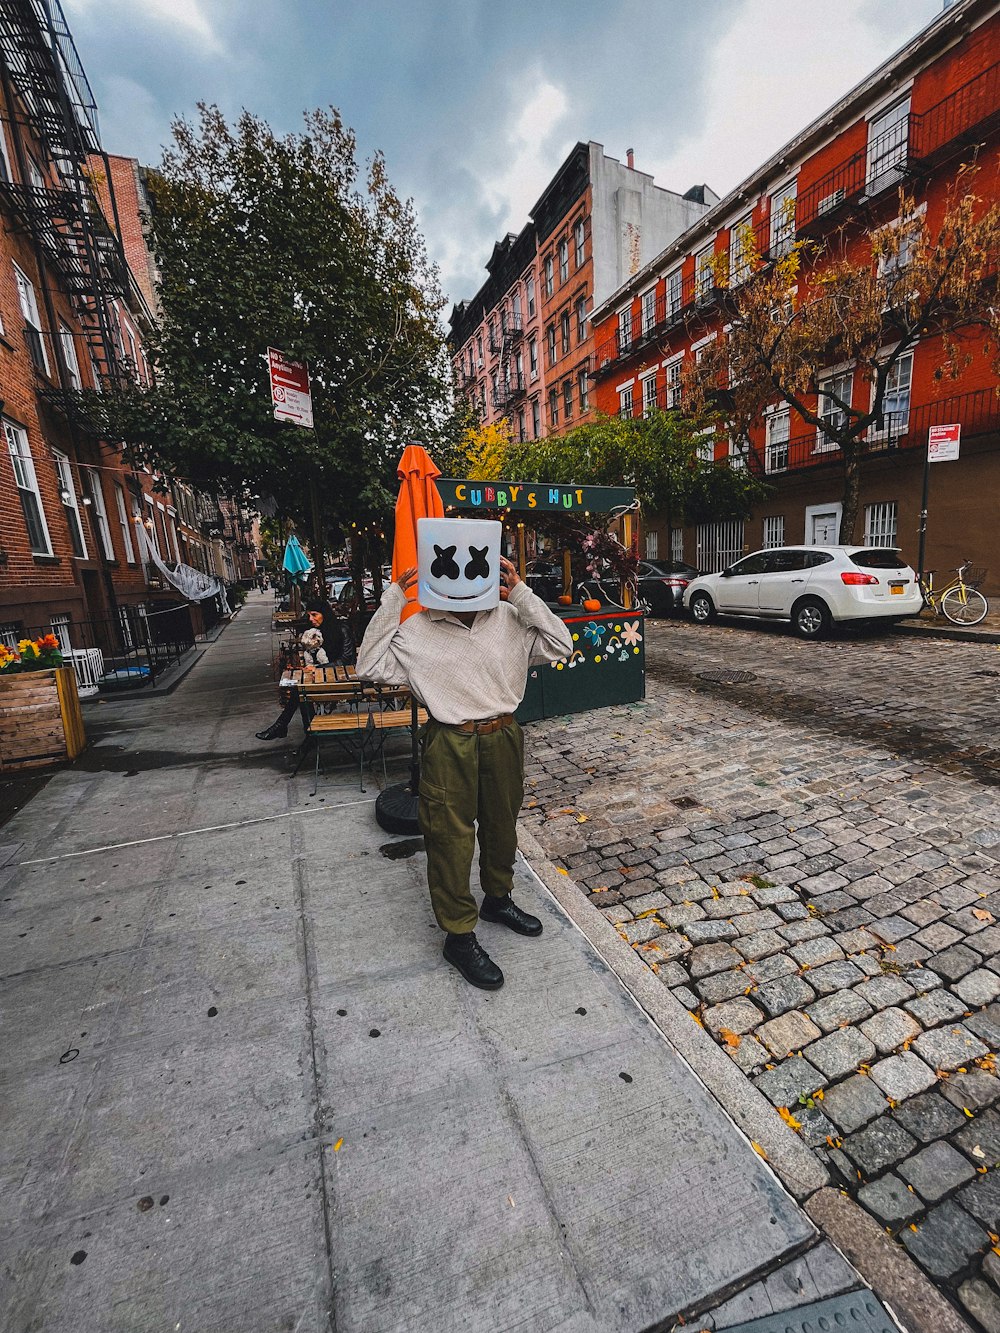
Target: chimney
[[630, 158]]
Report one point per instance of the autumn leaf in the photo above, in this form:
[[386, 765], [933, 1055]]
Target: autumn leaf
[[788, 1118], [977, 1151], [758, 1149], [338, 1145], [981, 914], [732, 1039]]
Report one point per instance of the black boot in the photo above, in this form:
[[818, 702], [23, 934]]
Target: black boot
[[468, 955], [273, 732], [506, 913]]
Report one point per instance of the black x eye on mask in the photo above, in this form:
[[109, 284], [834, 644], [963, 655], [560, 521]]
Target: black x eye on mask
[[444, 567], [478, 567]]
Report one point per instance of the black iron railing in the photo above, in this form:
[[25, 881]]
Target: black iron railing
[[972, 108]]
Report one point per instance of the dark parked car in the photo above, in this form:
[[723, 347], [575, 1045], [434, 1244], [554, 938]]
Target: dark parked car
[[662, 584]]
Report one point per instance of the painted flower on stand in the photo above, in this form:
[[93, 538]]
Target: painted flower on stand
[[630, 633], [595, 633]]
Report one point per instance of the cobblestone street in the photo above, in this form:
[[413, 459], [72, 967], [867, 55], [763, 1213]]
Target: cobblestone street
[[809, 861]]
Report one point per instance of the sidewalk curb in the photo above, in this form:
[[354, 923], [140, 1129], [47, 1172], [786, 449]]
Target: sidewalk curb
[[881, 1263], [940, 632]]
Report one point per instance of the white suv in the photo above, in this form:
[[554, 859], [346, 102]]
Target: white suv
[[811, 586]]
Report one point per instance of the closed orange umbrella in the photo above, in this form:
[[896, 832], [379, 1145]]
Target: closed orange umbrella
[[418, 498]]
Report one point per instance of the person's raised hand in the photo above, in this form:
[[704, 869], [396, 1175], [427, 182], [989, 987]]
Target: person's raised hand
[[407, 579], [509, 578]]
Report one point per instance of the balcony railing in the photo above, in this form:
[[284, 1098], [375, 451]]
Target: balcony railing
[[972, 109], [511, 325], [494, 342], [858, 179], [507, 392]]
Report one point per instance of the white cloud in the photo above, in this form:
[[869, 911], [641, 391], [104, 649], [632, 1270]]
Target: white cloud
[[185, 17], [532, 144]]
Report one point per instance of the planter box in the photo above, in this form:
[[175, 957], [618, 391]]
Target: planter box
[[40, 719]]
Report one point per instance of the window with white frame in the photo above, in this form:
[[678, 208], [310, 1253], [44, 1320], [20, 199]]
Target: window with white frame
[[100, 512], [568, 398], [549, 275], [881, 524], [150, 525], [648, 311], [777, 428], [896, 402], [672, 382], [529, 289], [520, 425], [677, 545], [123, 522], [564, 334], [67, 494], [737, 454], [705, 447], [649, 403], [583, 389], [704, 271], [10, 634], [782, 220], [533, 358], [536, 419], [673, 289], [774, 531], [171, 525], [719, 545], [68, 345], [834, 390], [553, 407], [888, 138], [652, 545], [740, 249], [579, 242], [5, 171], [27, 488], [625, 401], [563, 260], [59, 624], [625, 329], [581, 320], [32, 319], [550, 343]]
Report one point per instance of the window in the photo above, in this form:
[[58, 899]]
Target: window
[[100, 513], [888, 136], [494, 339], [648, 312], [896, 403], [581, 320], [736, 454], [740, 249], [564, 327], [533, 357], [719, 545], [520, 426], [59, 624], [549, 286], [579, 242], [67, 494], [123, 522], [834, 387], [673, 290], [774, 532], [704, 272], [151, 528], [10, 634], [536, 419], [516, 306], [568, 398], [563, 260], [706, 445], [550, 342], [677, 545], [529, 287], [625, 402], [782, 220], [583, 389], [881, 524], [776, 448], [479, 350], [68, 346], [5, 171], [672, 373], [625, 330], [33, 331], [652, 545], [553, 407], [649, 403], [27, 486]]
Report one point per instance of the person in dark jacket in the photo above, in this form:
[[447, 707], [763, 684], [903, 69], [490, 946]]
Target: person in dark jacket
[[338, 644]]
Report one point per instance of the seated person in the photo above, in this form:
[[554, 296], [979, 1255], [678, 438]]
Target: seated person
[[337, 644]]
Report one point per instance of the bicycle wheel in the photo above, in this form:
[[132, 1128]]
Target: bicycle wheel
[[969, 611]]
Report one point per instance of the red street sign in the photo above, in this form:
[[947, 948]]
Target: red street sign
[[290, 391], [943, 443]]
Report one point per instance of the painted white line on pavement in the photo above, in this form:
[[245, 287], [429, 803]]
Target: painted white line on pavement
[[189, 833]]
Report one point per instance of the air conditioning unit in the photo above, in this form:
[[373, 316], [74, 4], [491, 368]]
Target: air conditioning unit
[[831, 202]]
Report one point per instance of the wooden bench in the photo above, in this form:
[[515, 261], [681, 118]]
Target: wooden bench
[[363, 714]]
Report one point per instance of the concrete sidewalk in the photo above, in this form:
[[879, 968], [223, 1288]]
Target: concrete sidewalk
[[241, 1089]]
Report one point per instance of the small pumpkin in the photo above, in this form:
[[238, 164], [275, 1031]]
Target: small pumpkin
[[565, 599], [591, 604]]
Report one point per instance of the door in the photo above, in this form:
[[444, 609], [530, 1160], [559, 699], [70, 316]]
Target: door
[[738, 588], [823, 528], [782, 581]]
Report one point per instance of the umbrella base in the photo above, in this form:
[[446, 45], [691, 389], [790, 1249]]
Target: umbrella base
[[396, 810]]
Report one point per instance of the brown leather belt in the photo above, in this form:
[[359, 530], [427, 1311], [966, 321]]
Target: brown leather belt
[[482, 728]]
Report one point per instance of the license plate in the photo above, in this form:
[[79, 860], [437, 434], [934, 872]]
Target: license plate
[[897, 588]]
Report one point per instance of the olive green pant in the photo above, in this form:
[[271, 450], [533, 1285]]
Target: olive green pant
[[465, 778]]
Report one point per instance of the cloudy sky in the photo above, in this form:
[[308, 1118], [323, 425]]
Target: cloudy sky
[[476, 104]]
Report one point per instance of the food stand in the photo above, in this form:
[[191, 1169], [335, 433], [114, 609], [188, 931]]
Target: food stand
[[608, 663]]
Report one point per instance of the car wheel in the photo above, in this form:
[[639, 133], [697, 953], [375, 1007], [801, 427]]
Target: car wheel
[[702, 609], [811, 619]]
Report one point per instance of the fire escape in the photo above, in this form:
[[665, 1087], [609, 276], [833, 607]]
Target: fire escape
[[51, 106], [510, 379]]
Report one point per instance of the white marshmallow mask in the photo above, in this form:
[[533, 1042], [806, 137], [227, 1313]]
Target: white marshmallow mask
[[458, 563]]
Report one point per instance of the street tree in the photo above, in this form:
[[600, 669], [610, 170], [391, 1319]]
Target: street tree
[[860, 302], [284, 241]]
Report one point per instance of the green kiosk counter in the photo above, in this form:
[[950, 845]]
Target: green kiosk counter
[[608, 663]]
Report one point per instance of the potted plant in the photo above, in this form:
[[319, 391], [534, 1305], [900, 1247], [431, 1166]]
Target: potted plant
[[40, 718]]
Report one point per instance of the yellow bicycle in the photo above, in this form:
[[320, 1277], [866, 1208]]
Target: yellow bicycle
[[961, 601]]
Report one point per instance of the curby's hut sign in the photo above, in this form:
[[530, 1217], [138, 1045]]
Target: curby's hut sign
[[517, 495]]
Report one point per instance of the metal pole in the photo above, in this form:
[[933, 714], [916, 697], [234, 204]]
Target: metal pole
[[923, 513]]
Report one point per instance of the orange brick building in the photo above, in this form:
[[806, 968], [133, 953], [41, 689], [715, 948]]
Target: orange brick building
[[913, 121]]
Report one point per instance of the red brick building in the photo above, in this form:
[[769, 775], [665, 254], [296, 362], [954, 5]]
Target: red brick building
[[913, 121]]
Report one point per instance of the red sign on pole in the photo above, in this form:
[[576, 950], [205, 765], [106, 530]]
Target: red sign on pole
[[943, 443], [290, 391]]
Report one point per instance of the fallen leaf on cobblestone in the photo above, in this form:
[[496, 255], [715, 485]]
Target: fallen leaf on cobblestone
[[338, 1145], [582, 819], [913, 1227], [977, 1151], [758, 1149], [561, 871], [788, 1118], [732, 1039], [968, 1113], [995, 1249], [981, 914], [982, 1170]]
